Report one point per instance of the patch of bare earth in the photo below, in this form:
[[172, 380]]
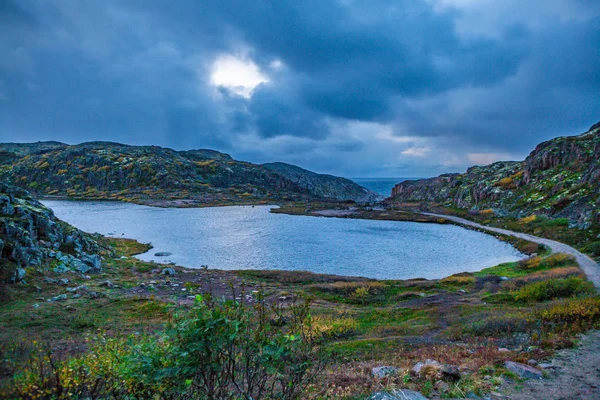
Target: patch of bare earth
[[574, 374]]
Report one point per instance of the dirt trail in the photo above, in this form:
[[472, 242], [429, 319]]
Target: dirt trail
[[589, 266], [575, 374]]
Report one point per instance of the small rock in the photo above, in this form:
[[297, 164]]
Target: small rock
[[523, 370], [441, 386], [382, 372], [19, 275], [60, 297], [546, 365], [76, 296], [532, 362], [78, 288], [36, 305], [462, 291], [398, 394], [107, 284], [61, 268], [487, 377], [38, 289], [162, 254], [503, 350], [63, 281], [416, 370], [451, 371], [168, 271], [504, 278]]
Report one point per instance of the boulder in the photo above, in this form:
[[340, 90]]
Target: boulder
[[382, 372], [398, 394], [162, 254], [19, 275], [168, 271], [419, 367], [92, 262], [451, 371], [523, 370], [60, 297], [61, 269]]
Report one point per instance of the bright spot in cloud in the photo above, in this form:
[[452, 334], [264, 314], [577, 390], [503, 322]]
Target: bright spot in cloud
[[238, 75], [276, 64]]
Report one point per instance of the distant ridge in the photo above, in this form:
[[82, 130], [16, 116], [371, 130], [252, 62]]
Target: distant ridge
[[107, 170]]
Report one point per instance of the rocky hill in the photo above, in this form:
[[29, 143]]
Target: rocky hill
[[30, 235], [103, 170], [560, 178], [326, 186]]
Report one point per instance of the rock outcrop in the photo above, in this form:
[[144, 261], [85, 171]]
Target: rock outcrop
[[560, 178], [322, 185], [104, 170], [30, 234]]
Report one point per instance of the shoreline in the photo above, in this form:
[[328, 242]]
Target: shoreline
[[524, 249], [476, 321]]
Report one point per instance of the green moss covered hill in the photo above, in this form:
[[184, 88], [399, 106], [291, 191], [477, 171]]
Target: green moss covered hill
[[559, 179], [102, 170]]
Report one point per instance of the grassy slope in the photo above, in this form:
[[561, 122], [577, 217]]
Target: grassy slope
[[463, 319]]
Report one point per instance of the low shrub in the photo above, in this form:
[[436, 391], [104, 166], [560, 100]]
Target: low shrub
[[593, 248], [498, 325], [527, 220], [556, 222], [572, 314], [553, 289], [557, 260], [215, 350], [529, 263], [458, 280], [334, 328]]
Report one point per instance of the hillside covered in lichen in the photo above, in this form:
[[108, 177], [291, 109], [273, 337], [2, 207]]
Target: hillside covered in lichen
[[560, 178], [103, 170]]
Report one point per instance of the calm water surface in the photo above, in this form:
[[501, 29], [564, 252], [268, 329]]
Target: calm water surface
[[253, 238], [383, 186]]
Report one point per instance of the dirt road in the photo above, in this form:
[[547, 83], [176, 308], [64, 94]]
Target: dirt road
[[589, 266]]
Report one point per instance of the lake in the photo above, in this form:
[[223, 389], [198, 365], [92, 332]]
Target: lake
[[253, 238]]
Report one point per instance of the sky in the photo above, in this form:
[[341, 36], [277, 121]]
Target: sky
[[374, 88]]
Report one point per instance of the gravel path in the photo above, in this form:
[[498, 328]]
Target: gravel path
[[589, 266], [575, 373]]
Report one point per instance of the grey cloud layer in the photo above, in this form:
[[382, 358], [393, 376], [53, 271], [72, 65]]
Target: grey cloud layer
[[451, 77]]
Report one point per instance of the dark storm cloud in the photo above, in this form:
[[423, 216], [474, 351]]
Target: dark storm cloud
[[481, 77]]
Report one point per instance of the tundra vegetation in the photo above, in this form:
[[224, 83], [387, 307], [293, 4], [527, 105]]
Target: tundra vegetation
[[134, 330]]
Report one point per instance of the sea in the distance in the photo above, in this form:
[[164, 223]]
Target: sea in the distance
[[253, 238], [383, 186]]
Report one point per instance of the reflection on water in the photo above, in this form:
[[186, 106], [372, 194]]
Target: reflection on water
[[253, 238]]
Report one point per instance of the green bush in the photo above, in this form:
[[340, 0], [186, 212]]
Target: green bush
[[553, 289], [593, 248], [556, 222], [215, 350], [498, 326]]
